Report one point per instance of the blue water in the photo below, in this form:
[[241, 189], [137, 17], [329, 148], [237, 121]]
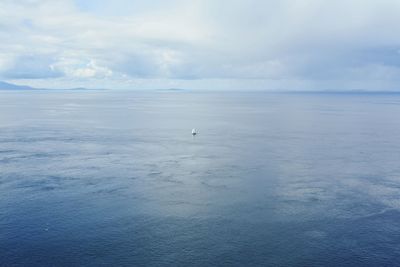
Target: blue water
[[116, 179]]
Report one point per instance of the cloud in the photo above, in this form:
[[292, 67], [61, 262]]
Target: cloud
[[75, 68], [30, 67], [253, 43]]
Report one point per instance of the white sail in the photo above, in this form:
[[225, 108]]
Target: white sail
[[194, 131]]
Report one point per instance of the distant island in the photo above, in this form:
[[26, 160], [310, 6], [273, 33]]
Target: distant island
[[14, 87], [171, 89], [10, 86]]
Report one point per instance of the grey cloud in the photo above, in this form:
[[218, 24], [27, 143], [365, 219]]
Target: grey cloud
[[309, 40], [31, 67]]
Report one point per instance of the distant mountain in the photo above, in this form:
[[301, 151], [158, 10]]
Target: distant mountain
[[10, 86], [171, 90]]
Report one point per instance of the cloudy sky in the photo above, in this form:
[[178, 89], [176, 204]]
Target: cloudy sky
[[202, 44]]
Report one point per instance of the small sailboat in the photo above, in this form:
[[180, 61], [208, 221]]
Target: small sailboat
[[194, 132]]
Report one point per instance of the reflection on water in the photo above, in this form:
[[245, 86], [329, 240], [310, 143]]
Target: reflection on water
[[116, 178]]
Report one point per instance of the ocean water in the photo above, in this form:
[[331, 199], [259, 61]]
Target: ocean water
[[114, 178]]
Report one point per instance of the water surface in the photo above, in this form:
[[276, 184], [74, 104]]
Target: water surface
[[116, 179]]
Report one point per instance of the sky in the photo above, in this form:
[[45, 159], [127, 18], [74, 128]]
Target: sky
[[202, 44]]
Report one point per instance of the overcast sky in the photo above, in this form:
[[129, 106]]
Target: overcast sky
[[202, 44]]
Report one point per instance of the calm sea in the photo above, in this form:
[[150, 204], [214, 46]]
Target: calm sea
[[115, 178]]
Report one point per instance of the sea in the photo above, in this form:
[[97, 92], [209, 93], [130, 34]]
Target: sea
[[115, 178]]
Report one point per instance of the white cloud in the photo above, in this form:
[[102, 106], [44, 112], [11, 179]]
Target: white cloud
[[239, 43], [75, 68]]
